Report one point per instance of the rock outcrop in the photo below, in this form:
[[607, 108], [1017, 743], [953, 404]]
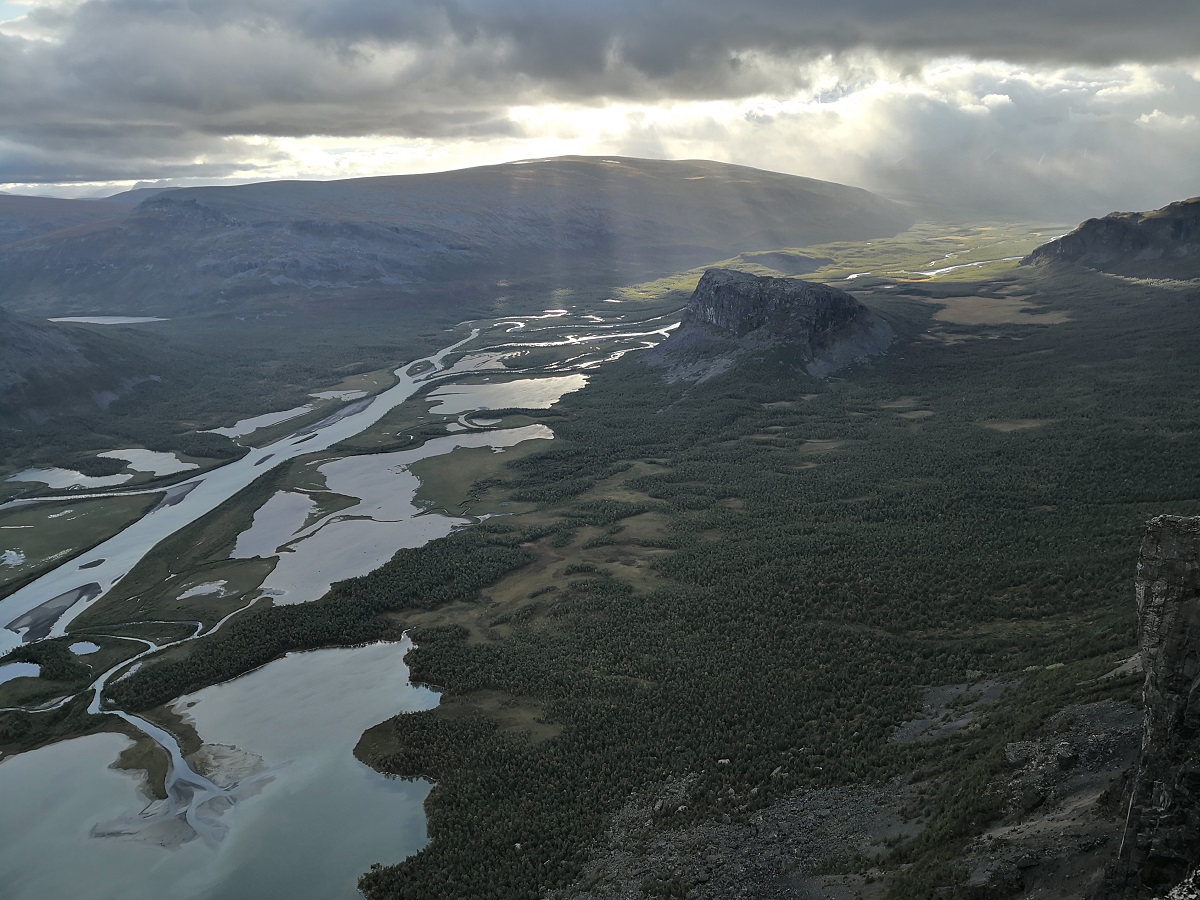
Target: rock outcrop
[[1163, 243], [1162, 839], [731, 311]]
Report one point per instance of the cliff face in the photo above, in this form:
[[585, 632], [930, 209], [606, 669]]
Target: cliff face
[[1162, 840], [731, 311], [739, 303], [1162, 243]]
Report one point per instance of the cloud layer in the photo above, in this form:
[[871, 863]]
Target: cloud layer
[[963, 97]]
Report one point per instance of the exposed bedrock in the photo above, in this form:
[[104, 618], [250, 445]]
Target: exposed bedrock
[[1162, 838], [731, 311], [1161, 243]]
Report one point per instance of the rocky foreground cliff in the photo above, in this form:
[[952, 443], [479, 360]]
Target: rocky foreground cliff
[[1081, 812], [819, 327], [1163, 243], [1162, 839]]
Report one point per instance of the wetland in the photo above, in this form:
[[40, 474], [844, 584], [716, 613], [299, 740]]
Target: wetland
[[231, 800], [620, 603]]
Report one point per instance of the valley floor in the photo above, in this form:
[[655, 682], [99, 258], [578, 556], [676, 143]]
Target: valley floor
[[699, 655]]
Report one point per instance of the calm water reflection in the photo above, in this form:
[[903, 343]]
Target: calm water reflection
[[310, 820]]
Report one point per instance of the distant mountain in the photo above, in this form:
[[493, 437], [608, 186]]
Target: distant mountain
[[1164, 243], [565, 218], [134, 196], [23, 217]]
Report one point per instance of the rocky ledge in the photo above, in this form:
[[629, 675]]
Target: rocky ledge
[[1163, 243], [822, 327], [1162, 838]]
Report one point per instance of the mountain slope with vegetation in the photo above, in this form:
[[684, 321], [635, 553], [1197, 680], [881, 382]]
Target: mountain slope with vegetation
[[572, 219], [23, 217], [46, 368], [735, 598]]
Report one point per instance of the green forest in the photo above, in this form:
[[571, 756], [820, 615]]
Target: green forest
[[769, 569]]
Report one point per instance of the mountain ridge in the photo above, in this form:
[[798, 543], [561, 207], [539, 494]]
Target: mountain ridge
[[189, 248], [23, 217], [1162, 243]]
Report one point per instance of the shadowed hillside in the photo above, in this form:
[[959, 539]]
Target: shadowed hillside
[[45, 368], [1162, 243], [24, 217], [572, 219]]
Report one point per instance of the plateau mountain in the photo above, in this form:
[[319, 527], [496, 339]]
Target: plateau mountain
[[820, 327], [572, 221], [1162, 243]]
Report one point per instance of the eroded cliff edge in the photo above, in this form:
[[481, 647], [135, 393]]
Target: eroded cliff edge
[[1162, 243], [820, 327], [1162, 838]]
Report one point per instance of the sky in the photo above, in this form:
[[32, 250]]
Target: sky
[[1020, 108]]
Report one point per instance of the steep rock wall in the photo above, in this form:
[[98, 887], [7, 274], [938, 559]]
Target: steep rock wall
[[1162, 839], [1164, 242], [731, 311]]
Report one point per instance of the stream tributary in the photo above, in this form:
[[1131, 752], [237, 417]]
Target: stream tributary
[[274, 803]]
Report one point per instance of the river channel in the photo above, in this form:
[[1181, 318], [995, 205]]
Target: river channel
[[274, 804], [297, 815]]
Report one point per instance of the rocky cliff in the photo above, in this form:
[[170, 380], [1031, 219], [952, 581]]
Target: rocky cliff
[[731, 311], [1162, 839], [1163, 243]]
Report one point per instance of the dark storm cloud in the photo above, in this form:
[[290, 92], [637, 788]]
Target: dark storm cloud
[[150, 88], [70, 164], [579, 42], [206, 59]]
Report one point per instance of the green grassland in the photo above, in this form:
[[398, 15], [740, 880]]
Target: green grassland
[[194, 555], [762, 568], [76, 527], [463, 480]]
